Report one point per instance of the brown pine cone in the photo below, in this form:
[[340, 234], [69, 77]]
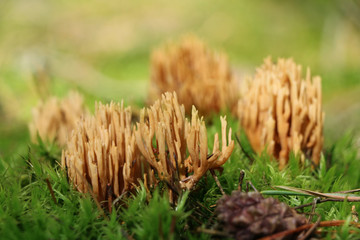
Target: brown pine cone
[[250, 216]]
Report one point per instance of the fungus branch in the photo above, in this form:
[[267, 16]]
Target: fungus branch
[[166, 135]]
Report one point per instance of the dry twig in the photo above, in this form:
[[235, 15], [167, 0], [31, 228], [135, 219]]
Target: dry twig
[[334, 223], [241, 179], [51, 190]]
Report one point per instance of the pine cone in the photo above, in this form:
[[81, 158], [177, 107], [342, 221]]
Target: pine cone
[[250, 216]]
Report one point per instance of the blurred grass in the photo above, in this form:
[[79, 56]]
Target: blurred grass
[[102, 48]]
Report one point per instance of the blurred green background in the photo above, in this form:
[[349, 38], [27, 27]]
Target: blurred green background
[[102, 48]]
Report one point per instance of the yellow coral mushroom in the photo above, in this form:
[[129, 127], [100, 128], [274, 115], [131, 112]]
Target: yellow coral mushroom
[[102, 151], [198, 75], [282, 112], [54, 119], [166, 134]]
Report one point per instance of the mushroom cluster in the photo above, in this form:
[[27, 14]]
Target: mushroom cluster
[[165, 136], [199, 76], [105, 153], [54, 119], [281, 112], [102, 151]]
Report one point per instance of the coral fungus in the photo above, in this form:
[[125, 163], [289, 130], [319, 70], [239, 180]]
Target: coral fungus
[[54, 119], [282, 112], [166, 134], [198, 75], [102, 151]]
